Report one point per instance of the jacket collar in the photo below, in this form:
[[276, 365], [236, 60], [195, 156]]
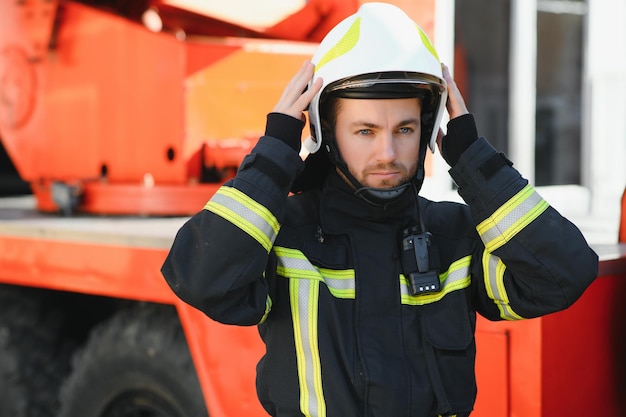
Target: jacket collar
[[341, 208]]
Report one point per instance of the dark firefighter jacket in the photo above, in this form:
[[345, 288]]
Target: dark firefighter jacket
[[320, 274]]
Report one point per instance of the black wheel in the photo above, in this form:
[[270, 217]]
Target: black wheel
[[34, 359], [136, 364]]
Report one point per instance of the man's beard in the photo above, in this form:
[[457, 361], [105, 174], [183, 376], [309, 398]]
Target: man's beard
[[406, 175]]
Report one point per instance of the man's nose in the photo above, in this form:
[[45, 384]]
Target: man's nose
[[385, 147]]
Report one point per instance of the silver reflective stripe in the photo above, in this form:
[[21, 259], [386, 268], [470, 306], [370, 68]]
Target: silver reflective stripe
[[455, 278], [304, 298], [245, 213], [293, 264], [511, 218], [304, 286], [493, 270], [340, 283]]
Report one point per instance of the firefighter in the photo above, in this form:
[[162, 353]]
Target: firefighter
[[364, 292]]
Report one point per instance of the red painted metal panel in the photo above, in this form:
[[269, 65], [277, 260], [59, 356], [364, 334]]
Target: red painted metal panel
[[523, 367], [567, 363], [492, 373], [584, 368], [225, 359], [130, 199], [85, 267]]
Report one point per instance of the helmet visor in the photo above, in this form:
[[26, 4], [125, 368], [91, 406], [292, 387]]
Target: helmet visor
[[386, 85]]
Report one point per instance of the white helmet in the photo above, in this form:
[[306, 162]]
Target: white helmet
[[378, 52], [380, 38]]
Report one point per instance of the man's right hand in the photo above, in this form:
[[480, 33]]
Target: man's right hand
[[296, 97]]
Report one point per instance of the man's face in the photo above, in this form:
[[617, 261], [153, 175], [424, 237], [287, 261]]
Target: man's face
[[379, 139]]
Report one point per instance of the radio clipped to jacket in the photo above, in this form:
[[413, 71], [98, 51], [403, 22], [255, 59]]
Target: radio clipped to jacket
[[420, 261]]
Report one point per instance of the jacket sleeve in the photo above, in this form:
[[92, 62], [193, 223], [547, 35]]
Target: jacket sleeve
[[219, 258], [531, 260]]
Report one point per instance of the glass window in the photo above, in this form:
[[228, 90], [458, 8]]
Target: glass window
[[482, 57], [481, 64], [559, 86]]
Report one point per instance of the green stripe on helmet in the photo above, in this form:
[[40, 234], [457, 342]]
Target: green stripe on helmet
[[427, 43], [345, 44]]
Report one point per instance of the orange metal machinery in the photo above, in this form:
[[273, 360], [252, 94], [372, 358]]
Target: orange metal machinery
[[103, 116]]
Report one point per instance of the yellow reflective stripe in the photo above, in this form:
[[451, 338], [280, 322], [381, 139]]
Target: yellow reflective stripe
[[426, 42], [340, 283], [245, 213], [304, 290], [493, 270], [511, 218], [351, 38], [304, 298], [455, 278], [268, 308], [293, 264], [345, 44]]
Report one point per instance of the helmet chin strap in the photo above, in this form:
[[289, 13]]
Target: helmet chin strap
[[381, 196]]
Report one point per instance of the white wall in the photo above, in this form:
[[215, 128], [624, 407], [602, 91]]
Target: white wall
[[605, 86]]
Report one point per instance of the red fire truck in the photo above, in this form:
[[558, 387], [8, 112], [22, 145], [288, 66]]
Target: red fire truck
[[121, 119]]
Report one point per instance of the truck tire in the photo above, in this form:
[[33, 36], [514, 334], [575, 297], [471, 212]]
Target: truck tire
[[135, 364], [33, 358]]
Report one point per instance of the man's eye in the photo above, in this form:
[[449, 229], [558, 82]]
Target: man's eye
[[364, 132], [405, 130]]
